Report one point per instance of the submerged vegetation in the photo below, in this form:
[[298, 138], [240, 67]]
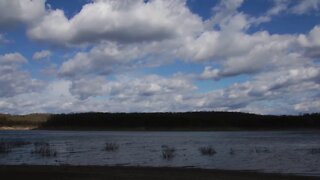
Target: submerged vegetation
[[163, 121]]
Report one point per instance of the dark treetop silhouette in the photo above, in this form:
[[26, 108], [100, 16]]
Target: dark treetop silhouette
[[163, 121]]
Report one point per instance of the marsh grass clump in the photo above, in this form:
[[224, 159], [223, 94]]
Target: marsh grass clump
[[19, 143], [111, 147], [231, 152], [259, 150], [207, 151], [168, 152], [6, 147], [314, 151], [44, 149]]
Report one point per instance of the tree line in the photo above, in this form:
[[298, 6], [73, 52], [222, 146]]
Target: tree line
[[162, 121], [183, 120]]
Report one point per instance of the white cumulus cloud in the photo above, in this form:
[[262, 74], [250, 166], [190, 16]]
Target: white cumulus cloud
[[119, 21], [20, 11], [41, 54]]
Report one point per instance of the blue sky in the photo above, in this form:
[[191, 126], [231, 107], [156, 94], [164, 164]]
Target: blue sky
[[159, 55]]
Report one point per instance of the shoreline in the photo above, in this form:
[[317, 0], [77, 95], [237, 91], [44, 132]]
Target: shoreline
[[67, 172], [17, 128]]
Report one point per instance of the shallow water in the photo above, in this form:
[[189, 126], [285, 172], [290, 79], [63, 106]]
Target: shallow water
[[296, 152]]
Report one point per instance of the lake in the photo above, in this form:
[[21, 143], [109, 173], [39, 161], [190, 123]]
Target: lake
[[294, 152]]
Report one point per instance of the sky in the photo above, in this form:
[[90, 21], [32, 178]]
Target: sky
[[59, 56]]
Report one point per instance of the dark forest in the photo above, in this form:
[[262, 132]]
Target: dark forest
[[163, 121]]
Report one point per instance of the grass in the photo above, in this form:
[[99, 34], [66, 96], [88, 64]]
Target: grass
[[259, 150], [231, 152], [168, 152], [207, 151], [315, 151], [44, 149], [111, 147], [6, 147]]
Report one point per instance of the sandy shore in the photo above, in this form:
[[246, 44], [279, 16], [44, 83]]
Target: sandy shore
[[130, 173], [17, 127]]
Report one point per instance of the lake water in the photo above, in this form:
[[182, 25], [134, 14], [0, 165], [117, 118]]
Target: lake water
[[296, 152]]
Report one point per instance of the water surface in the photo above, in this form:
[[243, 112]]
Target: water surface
[[296, 152]]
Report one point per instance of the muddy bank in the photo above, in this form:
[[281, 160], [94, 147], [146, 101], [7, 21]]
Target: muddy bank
[[130, 173]]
